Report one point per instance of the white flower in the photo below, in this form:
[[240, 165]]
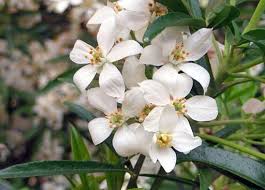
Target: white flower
[[128, 15], [127, 137], [60, 6], [170, 88], [172, 133], [181, 53], [99, 60], [253, 106]]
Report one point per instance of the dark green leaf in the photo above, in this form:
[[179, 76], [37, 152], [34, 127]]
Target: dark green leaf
[[51, 168], [256, 36], [194, 8], [171, 19], [222, 15], [205, 176], [176, 6], [246, 170], [64, 77], [79, 111]]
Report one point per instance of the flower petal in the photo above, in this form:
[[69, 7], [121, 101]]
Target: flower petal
[[133, 103], [151, 122], [198, 44], [102, 15], [101, 101], [133, 20], [166, 156], [111, 81], [184, 142], [83, 77], [107, 35], [196, 72], [183, 86], [202, 108], [168, 120], [124, 49], [139, 34], [80, 53], [99, 130], [152, 55], [253, 106], [183, 125], [155, 93], [133, 72], [135, 5]]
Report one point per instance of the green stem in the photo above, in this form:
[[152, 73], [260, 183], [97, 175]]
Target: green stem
[[238, 75], [225, 122], [262, 143], [251, 136], [255, 17], [245, 66], [233, 145], [133, 181], [156, 184]]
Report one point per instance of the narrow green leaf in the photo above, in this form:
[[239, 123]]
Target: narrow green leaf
[[64, 77], [222, 15], [205, 176], [51, 168], [79, 111], [256, 36], [244, 169], [176, 6], [171, 19], [194, 7]]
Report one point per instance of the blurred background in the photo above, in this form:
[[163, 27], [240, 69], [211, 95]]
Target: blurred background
[[36, 86]]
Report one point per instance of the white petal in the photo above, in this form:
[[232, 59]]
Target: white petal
[[196, 72], [183, 125], [179, 85], [123, 34], [107, 35], [80, 53], [83, 77], [166, 156], [61, 6], [135, 5], [152, 55], [143, 139], [168, 38], [168, 120], [133, 103], [198, 44], [99, 130], [111, 81], [133, 72], [133, 20], [102, 15], [253, 106], [124, 49], [101, 101], [151, 122], [76, 2], [155, 93], [184, 142], [139, 34], [202, 108]]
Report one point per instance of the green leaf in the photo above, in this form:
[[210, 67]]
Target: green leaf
[[246, 170], [194, 8], [205, 176], [222, 15], [256, 36], [79, 148], [64, 77], [176, 6], [79, 111], [51, 168], [171, 19]]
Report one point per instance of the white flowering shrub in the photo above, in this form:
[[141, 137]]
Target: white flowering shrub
[[170, 92]]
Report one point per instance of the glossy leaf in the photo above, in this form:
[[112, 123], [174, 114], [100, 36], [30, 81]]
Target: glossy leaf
[[51, 168], [176, 6], [171, 19], [244, 169], [256, 36], [194, 8], [79, 111]]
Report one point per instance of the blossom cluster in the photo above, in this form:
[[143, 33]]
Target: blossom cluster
[[148, 116]]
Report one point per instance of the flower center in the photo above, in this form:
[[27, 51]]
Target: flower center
[[116, 119], [157, 9], [117, 8], [146, 110], [179, 105], [164, 140], [97, 56], [179, 54]]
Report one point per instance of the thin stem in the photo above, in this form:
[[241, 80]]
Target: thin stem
[[133, 181], [247, 65], [251, 136], [255, 17], [225, 122], [233, 145], [156, 184], [262, 143], [238, 75]]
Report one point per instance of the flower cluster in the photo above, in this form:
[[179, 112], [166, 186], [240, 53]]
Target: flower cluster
[[149, 116]]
